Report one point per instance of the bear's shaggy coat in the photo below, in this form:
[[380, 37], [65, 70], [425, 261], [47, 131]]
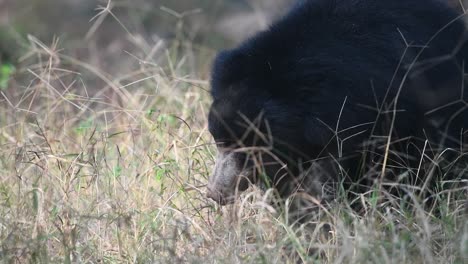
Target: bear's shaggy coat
[[340, 91]]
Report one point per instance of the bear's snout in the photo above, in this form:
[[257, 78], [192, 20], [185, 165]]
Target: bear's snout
[[216, 196], [228, 178]]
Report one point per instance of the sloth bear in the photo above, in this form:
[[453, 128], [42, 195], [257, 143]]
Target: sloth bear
[[359, 93]]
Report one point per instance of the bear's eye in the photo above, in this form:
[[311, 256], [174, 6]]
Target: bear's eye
[[226, 144]]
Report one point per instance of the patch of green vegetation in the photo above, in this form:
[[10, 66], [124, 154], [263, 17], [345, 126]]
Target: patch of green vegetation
[[84, 126], [6, 71], [167, 119]]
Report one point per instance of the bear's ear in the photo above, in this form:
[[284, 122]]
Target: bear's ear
[[229, 68]]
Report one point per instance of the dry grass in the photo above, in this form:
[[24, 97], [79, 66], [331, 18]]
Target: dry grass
[[97, 168]]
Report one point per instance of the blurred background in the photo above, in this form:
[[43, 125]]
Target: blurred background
[[111, 34]]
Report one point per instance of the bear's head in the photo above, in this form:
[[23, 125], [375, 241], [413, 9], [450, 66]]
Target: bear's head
[[262, 136]]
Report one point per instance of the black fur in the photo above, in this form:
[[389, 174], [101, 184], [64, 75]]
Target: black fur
[[346, 66]]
